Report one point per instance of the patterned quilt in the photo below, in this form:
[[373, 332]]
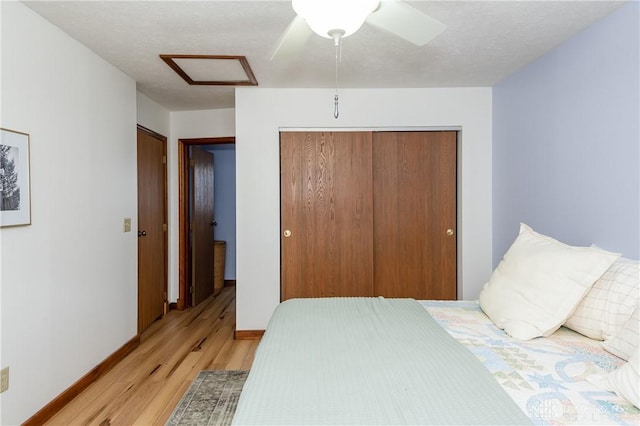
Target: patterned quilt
[[545, 376]]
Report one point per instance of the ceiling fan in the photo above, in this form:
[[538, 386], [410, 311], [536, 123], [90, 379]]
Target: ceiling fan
[[336, 19]]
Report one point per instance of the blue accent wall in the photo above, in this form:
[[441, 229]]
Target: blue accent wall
[[566, 141]]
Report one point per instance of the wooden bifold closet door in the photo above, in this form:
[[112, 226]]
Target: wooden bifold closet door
[[368, 214]]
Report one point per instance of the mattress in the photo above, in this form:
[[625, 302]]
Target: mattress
[[546, 377], [367, 361], [332, 363]]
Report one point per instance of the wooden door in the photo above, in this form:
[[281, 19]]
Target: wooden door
[[414, 181], [152, 231], [326, 214], [202, 224]]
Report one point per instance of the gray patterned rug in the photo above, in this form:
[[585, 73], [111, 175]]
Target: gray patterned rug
[[210, 400]]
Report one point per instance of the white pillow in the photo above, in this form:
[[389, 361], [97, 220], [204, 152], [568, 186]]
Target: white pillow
[[625, 380], [626, 340], [609, 303], [539, 282]]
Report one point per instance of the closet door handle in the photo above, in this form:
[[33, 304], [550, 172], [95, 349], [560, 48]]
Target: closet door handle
[[287, 233], [450, 232]]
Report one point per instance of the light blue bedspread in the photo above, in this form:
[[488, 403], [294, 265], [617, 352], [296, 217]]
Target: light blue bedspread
[[367, 361]]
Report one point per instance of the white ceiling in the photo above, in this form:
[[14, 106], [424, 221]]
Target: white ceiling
[[484, 42]]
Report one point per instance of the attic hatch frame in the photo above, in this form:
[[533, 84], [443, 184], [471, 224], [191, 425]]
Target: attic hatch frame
[[169, 59]]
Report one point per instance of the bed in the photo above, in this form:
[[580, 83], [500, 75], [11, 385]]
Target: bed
[[367, 361]]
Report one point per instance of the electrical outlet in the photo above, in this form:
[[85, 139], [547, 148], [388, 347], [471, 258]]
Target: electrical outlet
[[127, 224], [4, 379]]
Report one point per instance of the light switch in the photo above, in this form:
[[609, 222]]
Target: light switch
[[127, 224]]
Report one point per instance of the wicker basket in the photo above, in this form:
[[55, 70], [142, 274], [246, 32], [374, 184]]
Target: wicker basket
[[219, 251]]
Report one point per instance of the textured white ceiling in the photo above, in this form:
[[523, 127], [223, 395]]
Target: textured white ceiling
[[484, 42]]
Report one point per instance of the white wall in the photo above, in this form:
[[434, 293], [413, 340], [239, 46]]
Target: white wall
[[186, 125], [152, 115], [260, 113], [68, 281]]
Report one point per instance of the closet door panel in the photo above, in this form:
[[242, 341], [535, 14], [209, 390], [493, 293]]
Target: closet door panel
[[326, 214], [414, 181]]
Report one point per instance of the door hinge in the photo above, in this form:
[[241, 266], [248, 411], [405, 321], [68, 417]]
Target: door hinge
[[164, 227], [192, 163], [164, 159], [191, 289]]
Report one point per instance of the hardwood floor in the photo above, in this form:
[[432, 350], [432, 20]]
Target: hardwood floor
[[145, 387]]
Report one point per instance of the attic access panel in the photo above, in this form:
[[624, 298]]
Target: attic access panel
[[212, 70]]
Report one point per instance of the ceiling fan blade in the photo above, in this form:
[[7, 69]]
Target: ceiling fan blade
[[406, 22], [293, 39]]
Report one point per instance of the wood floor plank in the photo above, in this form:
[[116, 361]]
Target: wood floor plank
[[248, 360], [145, 387], [164, 412], [238, 355]]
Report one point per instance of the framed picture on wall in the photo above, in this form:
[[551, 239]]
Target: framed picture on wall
[[15, 182]]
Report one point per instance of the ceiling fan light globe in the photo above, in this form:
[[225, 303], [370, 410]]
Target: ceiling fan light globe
[[325, 16]]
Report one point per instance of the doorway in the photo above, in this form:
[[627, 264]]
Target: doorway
[[152, 226], [185, 259]]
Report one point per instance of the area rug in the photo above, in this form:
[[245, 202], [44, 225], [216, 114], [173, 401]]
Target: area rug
[[210, 400]]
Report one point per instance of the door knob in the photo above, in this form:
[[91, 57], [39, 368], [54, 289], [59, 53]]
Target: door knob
[[142, 233], [287, 233], [213, 223], [450, 232]]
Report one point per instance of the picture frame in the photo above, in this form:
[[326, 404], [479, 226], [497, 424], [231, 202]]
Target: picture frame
[[15, 178]]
